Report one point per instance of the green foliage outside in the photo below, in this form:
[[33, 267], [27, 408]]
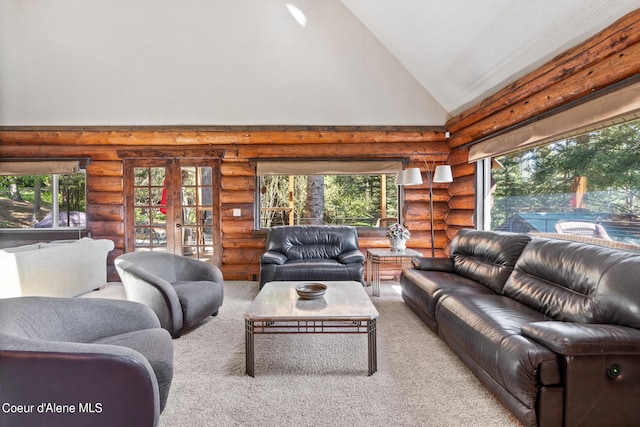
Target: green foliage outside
[[148, 185], [539, 180], [37, 191], [71, 189], [348, 199], [26, 186]]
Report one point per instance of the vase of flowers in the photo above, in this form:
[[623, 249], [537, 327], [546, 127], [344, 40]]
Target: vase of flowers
[[398, 235]]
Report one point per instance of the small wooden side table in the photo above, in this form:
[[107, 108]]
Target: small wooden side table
[[375, 257]]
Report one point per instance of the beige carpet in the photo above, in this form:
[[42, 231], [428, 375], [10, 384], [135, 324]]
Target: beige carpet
[[318, 380]]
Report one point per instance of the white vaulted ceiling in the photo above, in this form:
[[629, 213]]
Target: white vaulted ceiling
[[464, 50], [275, 62]]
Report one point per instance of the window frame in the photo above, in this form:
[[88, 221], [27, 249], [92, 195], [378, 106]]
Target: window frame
[[607, 107], [483, 207], [388, 166], [50, 168]]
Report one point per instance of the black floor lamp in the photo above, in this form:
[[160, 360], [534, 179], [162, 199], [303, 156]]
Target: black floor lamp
[[435, 174]]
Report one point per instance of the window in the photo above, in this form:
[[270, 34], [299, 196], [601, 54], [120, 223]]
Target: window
[[41, 200], [344, 195], [587, 184]]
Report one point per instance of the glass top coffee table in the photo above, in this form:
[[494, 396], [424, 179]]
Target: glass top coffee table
[[345, 308]]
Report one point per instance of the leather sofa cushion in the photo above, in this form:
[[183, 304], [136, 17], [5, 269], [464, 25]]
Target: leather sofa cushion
[[579, 339], [303, 269], [273, 258], [487, 329], [433, 264], [308, 242], [425, 288], [577, 282], [488, 257], [351, 257]]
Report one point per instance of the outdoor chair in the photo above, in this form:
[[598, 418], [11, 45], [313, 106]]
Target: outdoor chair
[[586, 229]]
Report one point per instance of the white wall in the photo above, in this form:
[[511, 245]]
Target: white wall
[[199, 62], [464, 50]]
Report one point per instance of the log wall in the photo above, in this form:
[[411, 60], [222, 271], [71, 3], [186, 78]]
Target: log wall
[[606, 59], [241, 244], [609, 58]]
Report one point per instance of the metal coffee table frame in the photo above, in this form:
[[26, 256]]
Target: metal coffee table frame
[[287, 319]]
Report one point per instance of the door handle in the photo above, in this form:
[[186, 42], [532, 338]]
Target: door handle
[[178, 225]]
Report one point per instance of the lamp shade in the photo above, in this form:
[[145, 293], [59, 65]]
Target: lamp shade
[[400, 177], [412, 176], [442, 174]]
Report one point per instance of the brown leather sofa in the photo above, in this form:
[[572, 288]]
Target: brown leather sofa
[[551, 327]]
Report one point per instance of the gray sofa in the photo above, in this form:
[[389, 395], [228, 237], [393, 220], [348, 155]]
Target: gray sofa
[[106, 362], [312, 252], [551, 327], [181, 291]]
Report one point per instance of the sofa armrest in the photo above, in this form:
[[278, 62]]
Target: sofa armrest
[[273, 257], [143, 276], [152, 291], [86, 319], [581, 339], [194, 269], [351, 257], [106, 385], [433, 264]]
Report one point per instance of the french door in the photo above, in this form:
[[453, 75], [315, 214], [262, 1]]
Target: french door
[[172, 205]]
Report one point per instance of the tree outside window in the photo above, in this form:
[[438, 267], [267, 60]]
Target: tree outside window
[[593, 177], [26, 201], [356, 200]]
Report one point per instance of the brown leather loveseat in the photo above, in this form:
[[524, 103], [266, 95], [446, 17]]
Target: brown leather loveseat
[[551, 327]]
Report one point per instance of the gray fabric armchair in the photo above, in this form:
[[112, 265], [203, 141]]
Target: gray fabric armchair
[[107, 360], [312, 252], [181, 291]]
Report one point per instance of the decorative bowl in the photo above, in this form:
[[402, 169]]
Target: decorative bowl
[[311, 290]]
